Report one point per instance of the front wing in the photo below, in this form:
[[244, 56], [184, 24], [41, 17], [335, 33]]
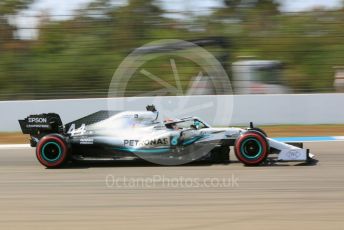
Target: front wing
[[287, 152]]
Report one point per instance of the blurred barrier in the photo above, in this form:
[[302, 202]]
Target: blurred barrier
[[261, 109]]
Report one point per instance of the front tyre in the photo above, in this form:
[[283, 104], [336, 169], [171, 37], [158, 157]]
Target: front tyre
[[251, 148], [52, 151], [258, 130]]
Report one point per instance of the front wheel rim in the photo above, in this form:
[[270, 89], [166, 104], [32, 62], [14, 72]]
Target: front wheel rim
[[251, 148]]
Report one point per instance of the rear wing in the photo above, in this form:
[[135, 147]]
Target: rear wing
[[38, 124]]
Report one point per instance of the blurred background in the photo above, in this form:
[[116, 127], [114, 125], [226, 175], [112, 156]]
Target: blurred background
[[71, 48]]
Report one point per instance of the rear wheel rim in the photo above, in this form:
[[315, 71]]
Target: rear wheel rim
[[51, 151]]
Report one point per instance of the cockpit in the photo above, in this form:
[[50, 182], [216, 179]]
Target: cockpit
[[185, 123]]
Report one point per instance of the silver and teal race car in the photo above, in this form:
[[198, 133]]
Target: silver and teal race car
[[113, 135]]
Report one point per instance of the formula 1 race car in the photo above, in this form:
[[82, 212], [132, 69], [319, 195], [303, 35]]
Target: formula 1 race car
[[111, 135]]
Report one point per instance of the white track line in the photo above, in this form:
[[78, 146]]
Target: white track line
[[15, 146]]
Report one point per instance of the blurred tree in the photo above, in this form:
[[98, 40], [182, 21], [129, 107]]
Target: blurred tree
[[246, 10], [76, 57], [9, 45], [8, 8], [136, 20]]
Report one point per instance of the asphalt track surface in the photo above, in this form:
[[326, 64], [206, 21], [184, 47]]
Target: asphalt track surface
[[267, 197]]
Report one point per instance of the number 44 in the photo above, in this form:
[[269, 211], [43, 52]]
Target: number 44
[[79, 131]]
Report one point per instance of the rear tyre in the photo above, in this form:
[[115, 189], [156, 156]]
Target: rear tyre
[[251, 148], [52, 151], [220, 155]]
